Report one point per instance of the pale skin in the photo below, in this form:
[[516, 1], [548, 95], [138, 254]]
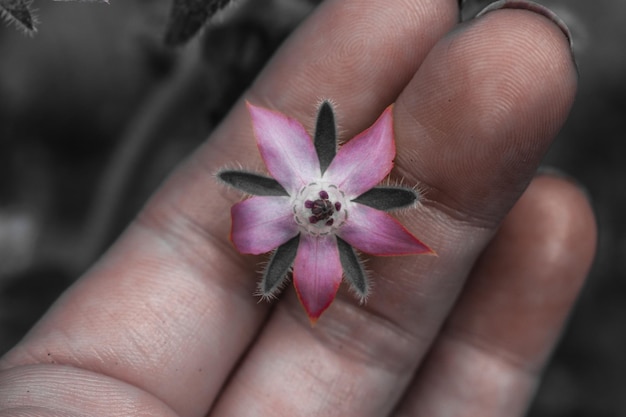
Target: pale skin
[[165, 324]]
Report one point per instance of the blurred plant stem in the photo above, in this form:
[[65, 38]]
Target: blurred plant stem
[[144, 134]]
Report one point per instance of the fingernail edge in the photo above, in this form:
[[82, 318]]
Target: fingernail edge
[[533, 7]]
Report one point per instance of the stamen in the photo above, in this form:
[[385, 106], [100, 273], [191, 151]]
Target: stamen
[[320, 211]]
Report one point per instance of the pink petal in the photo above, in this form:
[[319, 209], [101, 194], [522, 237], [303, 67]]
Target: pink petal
[[376, 232], [286, 148], [365, 160], [261, 224], [317, 273]]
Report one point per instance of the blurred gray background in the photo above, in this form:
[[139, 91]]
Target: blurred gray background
[[89, 107]]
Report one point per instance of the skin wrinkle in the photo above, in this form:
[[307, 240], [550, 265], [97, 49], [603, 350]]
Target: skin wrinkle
[[342, 338], [74, 358], [317, 360], [34, 411], [81, 385], [478, 342], [183, 229], [479, 388], [183, 233], [342, 393], [35, 354], [37, 411], [101, 357]]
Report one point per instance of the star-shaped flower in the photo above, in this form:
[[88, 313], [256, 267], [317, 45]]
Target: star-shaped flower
[[320, 204]]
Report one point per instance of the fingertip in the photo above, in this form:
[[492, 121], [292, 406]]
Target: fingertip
[[564, 214], [531, 29], [526, 282], [483, 108]]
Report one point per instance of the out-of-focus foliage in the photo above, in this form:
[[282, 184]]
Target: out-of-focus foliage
[[20, 13], [188, 16]]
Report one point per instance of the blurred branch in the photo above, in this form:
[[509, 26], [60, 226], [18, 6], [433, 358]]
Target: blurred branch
[[209, 76], [188, 17], [126, 161]]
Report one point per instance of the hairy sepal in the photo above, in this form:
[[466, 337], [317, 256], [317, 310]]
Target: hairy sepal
[[325, 139], [388, 198], [278, 267], [353, 270], [251, 183]]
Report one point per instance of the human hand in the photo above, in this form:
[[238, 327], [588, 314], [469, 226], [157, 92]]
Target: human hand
[[165, 323]]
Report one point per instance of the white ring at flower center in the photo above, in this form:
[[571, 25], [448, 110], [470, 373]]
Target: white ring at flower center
[[331, 222]]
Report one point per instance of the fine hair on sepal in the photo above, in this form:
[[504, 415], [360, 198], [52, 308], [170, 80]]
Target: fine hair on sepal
[[388, 198], [354, 271], [325, 138], [251, 183], [278, 268]]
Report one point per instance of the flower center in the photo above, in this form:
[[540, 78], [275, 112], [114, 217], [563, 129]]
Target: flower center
[[320, 209]]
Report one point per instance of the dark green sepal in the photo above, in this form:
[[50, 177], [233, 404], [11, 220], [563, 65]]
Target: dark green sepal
[[388, 198], [325, 135], [251, 183], [278, 267], [353, 268]]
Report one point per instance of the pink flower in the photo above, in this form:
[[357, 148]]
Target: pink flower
[[320, 204]]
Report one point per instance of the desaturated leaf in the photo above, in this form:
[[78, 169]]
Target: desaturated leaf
[[188, 16], [20, 14]]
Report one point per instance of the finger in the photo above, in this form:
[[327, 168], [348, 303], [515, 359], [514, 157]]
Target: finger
[[471, 127], [170, 308], [487, 359]]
